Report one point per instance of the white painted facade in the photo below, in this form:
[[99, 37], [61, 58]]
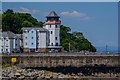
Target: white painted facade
[[9, 42], [32, 39], [42, 39], [52, 24], [54, 34]]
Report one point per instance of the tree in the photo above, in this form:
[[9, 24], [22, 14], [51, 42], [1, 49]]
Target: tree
[[76, 39], [27, 24], [15, 21], [11, 22], [9, 11], [0, 21]]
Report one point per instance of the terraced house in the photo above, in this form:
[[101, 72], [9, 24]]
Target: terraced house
[[9, 42]]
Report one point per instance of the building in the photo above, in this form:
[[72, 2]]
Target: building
[[21, 40], [9, 42], [35, 39], [52, 24], [43, 39]]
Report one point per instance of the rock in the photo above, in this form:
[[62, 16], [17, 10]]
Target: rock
[[17, 74]]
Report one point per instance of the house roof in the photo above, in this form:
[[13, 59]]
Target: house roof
[[29, 28], [52, 14], [8, 34], [19, 35]]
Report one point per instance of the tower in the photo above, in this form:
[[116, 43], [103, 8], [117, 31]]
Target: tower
[[52, 24]]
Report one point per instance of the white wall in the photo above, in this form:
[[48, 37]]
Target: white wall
[[32, 39], [25, 34], [55, 33], [16, 44], [42, 40], [8, 45]]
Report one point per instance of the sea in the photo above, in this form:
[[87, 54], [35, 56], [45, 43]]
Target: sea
[[109, 50]]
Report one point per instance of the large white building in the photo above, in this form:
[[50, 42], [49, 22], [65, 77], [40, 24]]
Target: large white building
[[52, 24], [9, 42], [35, 39], [43, 39]]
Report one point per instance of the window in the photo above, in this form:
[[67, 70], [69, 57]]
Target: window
[[55, 26], [25, 37], [25, 43], [31, 37], [50, 26], [16, 39], [1, 49], [55, 38], [31, 43], [6, 49], [15, 44], [24, 31], [51, 32], [56, 44], [49, 40], [6, 40], [6, 46], [51, 44], [32, 31]]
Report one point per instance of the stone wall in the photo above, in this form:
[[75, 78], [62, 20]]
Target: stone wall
[[53, 61]]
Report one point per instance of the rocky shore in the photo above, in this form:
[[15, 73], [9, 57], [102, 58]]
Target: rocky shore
[[16, 73]]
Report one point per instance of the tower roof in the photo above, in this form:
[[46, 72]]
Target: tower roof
[[52, 14]]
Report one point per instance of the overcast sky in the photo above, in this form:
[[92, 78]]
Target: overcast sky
[[97, 21]]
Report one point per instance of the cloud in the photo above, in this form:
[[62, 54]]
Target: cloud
[[76, 14], [35, 11], [24, 10], [27, 10], [73, 14]]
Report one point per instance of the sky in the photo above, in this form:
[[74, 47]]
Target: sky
[[61, 0], [98, 21]]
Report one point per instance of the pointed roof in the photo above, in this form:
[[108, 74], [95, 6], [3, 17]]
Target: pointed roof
[[52, 14]]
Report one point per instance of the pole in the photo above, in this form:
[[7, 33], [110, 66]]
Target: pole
[[106, 48], [69, 46]]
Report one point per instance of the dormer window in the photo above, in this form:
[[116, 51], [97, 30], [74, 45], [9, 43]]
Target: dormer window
[[32, 31]]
